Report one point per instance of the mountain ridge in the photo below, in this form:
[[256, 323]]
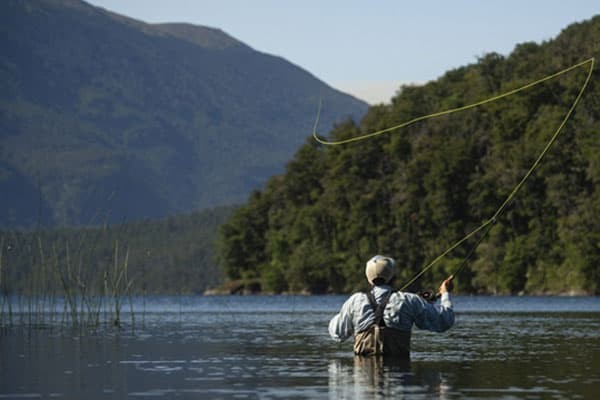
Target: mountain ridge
[[101, 114]]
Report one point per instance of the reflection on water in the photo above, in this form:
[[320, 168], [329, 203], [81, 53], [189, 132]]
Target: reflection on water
[[277, 347], [375, 377]]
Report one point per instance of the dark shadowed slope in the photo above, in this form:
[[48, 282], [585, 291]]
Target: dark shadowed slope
[[104, 115]]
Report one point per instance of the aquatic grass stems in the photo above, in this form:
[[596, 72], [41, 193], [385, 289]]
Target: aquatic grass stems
[[68, 282]]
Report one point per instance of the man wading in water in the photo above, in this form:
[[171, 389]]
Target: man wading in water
[[381, 319]]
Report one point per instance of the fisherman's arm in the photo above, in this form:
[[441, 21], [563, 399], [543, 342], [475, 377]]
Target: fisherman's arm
[[341, 326], [435, 317]]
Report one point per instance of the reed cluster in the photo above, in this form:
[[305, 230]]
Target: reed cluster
[[67, 283]]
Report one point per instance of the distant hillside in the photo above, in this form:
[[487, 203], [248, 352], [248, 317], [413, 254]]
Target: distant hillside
[[106, 118], [414, 192], [168, 255]]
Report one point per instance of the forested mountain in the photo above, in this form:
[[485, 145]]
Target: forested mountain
[[104, 118], [414, 192]]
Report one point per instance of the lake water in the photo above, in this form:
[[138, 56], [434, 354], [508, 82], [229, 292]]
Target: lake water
[[277, 347]]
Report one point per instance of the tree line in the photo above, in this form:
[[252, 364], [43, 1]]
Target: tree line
[[173, 255]]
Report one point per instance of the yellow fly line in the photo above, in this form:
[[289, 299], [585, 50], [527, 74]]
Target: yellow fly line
[[488, 223], [457, 109]]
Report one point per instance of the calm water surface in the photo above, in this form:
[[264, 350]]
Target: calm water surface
[[277, 347]]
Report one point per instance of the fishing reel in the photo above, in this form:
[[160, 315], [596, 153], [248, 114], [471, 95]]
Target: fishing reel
[[430, 296]]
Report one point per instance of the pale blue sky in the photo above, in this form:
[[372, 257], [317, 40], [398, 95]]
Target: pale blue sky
[[369, 48]]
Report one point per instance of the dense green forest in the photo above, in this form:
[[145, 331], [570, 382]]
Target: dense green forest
[[98, 111], [412, 193], [170, 255]]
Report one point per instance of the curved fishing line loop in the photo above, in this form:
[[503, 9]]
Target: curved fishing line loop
[[490, 222], [445, 112]]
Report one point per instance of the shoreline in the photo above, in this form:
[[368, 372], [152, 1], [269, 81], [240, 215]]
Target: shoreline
[[238, 288]]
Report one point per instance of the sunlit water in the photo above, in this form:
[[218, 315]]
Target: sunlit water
[[263, 347]]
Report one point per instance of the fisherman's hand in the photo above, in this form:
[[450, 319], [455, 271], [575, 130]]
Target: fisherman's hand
[[447, 285]]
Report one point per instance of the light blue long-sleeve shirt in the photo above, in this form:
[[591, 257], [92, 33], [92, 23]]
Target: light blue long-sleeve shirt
[[402, 312]]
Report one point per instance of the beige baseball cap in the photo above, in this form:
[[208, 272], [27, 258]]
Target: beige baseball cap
[[380, 267]]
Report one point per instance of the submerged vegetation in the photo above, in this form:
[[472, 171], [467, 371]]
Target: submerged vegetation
[[412, 193]]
